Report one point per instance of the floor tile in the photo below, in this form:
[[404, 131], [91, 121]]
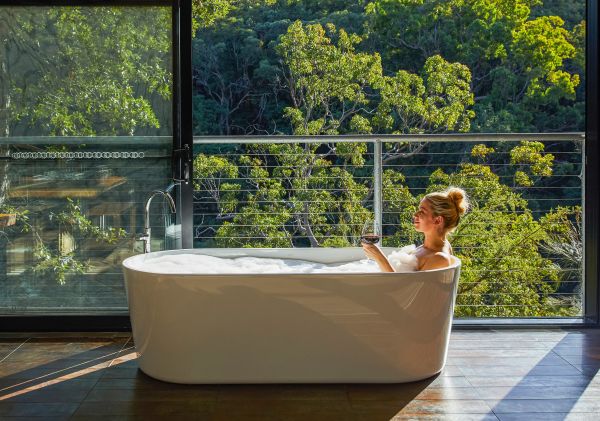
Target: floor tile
[[143, 382], [447, 417], [532, 392], [145, 395], [396, 392], [450, 393], [547, 359], [528, 416], [9, 347], [549, 405], [529, 380], [514, 370], [463, 406], [142, 409], [499, 353], [19, 409]]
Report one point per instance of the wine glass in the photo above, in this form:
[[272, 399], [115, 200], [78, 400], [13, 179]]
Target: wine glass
[[371, 232]]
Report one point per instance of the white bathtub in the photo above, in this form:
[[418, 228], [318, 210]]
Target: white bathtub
[[290, 328]]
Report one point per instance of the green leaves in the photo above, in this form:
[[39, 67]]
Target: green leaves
[[287, 195], [333, 61], [437, 102], [57, 266], [91, 71], [334, 89], [328, 83], [481, 151], [541, 46], [522, 65], [529, 161], [75, 221], [61, 258], [206, 12]]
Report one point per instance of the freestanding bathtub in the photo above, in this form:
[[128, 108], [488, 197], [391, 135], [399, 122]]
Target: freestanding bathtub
[[290, 328]]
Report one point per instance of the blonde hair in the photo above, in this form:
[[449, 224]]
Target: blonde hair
[[450, 204]]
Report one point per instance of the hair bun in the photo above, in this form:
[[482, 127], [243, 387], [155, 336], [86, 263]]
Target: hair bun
[[459, 197]]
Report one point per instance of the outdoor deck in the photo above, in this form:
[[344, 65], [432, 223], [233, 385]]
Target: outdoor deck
[[490, 374]]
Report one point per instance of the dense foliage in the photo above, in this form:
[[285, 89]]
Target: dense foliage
[[522, 62]]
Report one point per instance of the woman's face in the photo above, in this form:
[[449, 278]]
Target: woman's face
[[424, 220]]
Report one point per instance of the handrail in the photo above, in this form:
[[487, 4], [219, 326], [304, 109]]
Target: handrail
[[462, 137], [95, 140]]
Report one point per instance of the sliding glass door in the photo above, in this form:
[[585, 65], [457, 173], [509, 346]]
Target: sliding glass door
[[86, 133]]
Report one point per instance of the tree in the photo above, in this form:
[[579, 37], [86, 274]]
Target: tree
[[521, 65], [329, 85], [94, 71], [335, 89], [289, 196], [332, 88], [505, 271]]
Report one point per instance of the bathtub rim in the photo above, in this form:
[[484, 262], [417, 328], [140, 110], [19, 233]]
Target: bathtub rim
[[129, 262]]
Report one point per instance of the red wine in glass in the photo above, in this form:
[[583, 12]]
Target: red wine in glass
[[370, 238], [370, 234]]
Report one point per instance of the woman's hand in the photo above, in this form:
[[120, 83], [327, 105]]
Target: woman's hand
[[374, 252]]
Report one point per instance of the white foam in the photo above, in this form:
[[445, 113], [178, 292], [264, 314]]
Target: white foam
[[405, 259], [203, 264]]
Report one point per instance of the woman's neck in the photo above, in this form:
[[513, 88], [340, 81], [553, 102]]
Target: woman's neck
[[434, 242]]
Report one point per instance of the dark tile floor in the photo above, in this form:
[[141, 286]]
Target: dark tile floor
[[490, 375]]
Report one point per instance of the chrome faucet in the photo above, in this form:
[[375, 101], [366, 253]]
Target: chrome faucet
[[146, 235]]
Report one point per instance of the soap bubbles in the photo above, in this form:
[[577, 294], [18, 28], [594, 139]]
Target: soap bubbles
[[202, 264]]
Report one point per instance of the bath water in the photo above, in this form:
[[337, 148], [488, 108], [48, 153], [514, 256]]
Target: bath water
[[202, 264]]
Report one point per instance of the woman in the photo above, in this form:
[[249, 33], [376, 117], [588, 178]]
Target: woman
[[438, 215]]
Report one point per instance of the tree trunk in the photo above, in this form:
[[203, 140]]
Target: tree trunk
[[308, 229]]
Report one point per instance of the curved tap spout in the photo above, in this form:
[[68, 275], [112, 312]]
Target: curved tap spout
[[146, 237]]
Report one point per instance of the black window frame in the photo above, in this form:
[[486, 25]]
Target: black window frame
[[592, 171]]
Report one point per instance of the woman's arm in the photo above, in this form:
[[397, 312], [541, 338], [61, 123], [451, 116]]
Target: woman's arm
[[375, 253]]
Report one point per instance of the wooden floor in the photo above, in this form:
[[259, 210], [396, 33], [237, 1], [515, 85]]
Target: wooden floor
[[490, 375]]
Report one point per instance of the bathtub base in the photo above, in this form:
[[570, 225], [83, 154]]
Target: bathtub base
[[281, 380]]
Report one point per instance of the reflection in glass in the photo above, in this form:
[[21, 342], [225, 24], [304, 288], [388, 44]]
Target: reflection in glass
[[85, 133]]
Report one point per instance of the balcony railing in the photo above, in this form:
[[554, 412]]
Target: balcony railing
[[521, 244]]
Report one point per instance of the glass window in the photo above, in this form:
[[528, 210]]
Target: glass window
[[86, 132], [471, 69]]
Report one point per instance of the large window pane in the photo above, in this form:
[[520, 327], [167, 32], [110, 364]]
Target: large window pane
[[432, 67], [85, 135]]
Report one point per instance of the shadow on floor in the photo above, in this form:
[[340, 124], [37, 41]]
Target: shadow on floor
[[561, 385], [56, 379]]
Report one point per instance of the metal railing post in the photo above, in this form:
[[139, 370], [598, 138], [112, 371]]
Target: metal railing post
[[378, 185]]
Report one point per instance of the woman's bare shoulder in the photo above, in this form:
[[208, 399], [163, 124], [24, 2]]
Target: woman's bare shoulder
[[437, 260]]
